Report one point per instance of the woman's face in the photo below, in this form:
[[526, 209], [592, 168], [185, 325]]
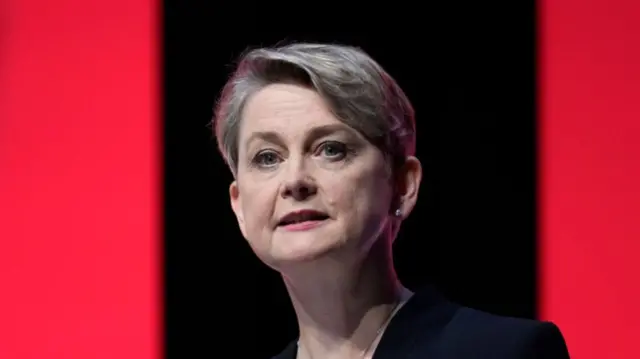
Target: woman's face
[[307, 184]]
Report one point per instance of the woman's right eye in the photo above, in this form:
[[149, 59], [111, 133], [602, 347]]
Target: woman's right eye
[[266, 159]]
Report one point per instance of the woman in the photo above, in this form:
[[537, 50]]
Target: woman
[[321, 143]]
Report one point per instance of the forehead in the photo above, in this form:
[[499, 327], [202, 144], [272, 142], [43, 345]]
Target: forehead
[[285, 107]]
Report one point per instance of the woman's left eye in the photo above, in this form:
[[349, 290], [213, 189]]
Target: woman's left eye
[[333, 150]]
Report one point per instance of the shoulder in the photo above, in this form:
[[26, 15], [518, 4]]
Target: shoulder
[[477, 334], [289, 352], [432, 326]]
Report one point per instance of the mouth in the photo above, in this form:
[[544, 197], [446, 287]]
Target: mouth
[[302, 220]]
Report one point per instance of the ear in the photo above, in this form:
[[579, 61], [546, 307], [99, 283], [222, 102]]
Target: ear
[[234, 194], [408, 180]]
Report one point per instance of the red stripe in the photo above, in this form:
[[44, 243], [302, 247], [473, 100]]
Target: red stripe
[[590, 174], [79, 179]]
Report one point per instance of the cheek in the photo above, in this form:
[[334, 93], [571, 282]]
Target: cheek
[[257, 206], [360, 195]]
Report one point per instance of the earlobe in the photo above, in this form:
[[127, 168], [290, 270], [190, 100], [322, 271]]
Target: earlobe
[[234, 196]]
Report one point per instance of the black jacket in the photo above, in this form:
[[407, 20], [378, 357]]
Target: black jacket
[[430, 327]]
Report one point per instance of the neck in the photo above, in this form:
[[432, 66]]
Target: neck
[[341, 309]]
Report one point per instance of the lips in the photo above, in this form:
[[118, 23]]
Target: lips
[[303, 216]]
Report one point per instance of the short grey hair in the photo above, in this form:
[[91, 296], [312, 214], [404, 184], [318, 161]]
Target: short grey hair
[[356, 89]]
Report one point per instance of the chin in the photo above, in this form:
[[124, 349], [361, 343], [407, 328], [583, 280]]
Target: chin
[[293, 248]]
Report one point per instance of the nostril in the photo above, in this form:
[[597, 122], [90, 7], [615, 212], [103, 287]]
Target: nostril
[[304, 190], [299, 190]]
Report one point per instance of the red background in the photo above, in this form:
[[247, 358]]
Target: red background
[[590, 174], [80, 177]]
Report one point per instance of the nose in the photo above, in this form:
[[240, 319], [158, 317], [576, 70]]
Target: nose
[[298, 182]]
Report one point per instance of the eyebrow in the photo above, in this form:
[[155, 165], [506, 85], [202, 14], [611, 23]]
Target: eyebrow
[[314, 133]]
